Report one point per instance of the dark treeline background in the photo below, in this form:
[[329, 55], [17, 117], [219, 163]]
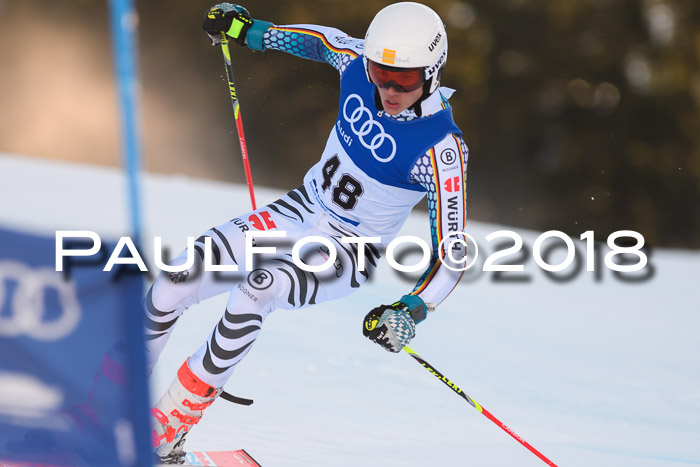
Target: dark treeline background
[[579, 114]]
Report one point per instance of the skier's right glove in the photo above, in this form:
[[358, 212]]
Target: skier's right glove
[[390, 326], [393, 326], [235, 21]]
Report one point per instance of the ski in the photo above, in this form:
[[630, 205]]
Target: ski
[[239, 458]]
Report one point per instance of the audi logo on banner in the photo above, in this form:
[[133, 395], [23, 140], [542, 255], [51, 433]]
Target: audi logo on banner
[[26, 316], [379, 140]]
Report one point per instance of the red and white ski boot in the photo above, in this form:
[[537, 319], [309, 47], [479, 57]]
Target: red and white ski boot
[[180, 408]]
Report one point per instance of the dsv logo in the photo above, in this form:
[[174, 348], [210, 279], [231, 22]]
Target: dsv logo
[[369, 127], [26, 303]]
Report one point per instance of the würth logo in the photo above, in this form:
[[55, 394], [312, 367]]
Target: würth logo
[[452, 184]]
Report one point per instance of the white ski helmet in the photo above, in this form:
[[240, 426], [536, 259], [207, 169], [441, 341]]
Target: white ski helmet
[[408, 35]]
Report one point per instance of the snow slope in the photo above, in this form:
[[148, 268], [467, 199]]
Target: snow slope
[[591, 373]]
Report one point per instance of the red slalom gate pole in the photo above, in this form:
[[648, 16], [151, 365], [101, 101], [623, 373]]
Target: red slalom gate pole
[[237, 116], [476, 405]]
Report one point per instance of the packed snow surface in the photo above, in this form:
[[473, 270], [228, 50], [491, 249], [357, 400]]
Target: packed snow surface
[[592, 371]]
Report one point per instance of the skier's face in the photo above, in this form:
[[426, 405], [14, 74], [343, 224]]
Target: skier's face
[[395, 101]]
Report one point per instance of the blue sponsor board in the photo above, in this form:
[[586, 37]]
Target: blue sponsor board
[[72, 367]]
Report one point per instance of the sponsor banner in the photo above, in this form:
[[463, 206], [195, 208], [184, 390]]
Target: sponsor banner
[[72, 383]]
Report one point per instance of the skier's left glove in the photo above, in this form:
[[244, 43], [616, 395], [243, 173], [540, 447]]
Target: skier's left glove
[[235, 21], [393, 326]]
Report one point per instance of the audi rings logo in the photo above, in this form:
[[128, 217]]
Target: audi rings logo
[[26, 305], [382, 145]]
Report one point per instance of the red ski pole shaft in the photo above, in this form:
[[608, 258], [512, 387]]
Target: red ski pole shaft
[[237, 116], [476, 405]]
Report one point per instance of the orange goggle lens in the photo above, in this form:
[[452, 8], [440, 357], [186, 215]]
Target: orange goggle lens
[[403, 79]]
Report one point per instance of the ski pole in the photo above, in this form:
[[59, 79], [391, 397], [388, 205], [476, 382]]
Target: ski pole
[[237, 116], [474, 404]]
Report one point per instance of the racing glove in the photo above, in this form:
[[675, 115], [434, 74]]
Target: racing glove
[[235, 21], [393, 326]]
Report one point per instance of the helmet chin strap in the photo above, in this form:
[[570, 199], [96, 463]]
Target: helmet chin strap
[[377, 99], [417, 108]]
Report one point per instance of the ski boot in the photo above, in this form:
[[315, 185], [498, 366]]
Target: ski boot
[[180, 408], [176, 456]]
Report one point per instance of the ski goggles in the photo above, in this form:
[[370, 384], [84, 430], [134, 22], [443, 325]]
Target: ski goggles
[[402, 79]]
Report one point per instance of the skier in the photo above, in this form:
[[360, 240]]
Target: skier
[[393, 142]]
